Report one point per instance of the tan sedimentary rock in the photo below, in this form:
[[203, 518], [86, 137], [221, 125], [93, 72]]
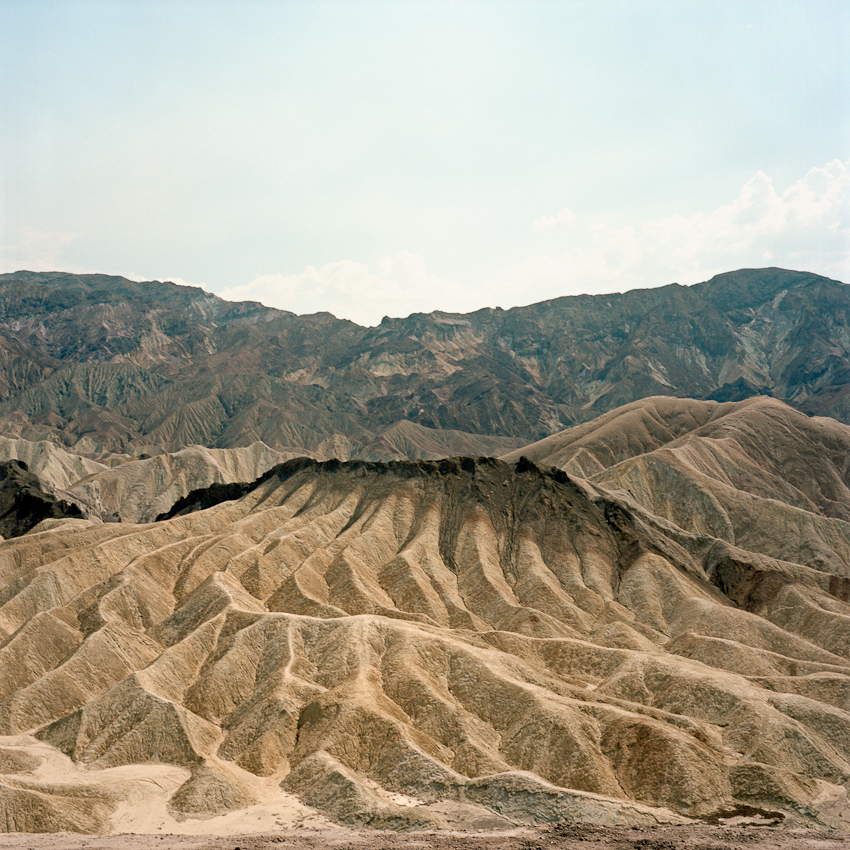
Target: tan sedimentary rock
[[136, 489], [383, 642], [140, 488]]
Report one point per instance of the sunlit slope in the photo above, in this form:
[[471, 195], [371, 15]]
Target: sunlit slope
[[756, 473], [139, 488], [408, 644], [136, 489]]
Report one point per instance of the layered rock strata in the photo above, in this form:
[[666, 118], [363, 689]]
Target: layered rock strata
[[418, 645]]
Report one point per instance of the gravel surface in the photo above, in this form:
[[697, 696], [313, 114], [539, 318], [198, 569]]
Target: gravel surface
[[554, 837]]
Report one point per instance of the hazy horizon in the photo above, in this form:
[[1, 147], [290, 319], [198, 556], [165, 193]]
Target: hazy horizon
[[438, 309]]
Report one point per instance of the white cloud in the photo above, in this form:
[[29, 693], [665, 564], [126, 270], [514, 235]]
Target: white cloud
[[36, 250], [564, 218], [395, 285], [806, 226]]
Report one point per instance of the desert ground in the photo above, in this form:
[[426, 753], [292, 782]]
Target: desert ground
[[560, 836], [641, 624]]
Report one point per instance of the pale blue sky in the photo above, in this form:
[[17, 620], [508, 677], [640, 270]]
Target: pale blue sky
[[373, 158]]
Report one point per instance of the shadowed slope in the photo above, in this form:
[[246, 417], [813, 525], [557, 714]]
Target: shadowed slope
[[139, 488], [23, 502], [101, 363]]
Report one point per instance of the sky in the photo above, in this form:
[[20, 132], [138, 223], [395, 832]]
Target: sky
[[383, 158]]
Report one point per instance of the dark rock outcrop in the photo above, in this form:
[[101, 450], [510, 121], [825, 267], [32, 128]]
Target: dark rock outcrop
[[23, 502]]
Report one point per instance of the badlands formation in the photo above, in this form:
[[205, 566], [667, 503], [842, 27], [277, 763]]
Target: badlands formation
[[641, 620], [121, 488]]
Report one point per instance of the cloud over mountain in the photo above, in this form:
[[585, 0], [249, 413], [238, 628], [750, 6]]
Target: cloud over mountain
[[805, 225]]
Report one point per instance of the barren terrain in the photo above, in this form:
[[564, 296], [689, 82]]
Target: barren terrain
[[554, 837], [468, 643], [102, 364]]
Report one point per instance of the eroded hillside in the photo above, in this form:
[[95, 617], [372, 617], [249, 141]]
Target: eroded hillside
[[420, 644]]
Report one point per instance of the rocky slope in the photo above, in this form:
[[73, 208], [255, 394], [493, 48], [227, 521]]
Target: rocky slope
[[446, 643], [137, 488], [757, 474], [104, 364], [23, 502], [121, 488]]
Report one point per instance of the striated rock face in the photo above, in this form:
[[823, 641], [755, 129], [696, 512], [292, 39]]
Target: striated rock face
[[426, 644], [104, 364], [756, 474], [138, 488], [134, 489]]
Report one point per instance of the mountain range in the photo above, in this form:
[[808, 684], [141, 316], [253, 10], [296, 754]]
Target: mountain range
[[105, 365]]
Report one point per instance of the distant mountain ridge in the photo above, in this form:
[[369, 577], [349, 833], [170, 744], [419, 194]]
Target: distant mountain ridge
[[104, 364]]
